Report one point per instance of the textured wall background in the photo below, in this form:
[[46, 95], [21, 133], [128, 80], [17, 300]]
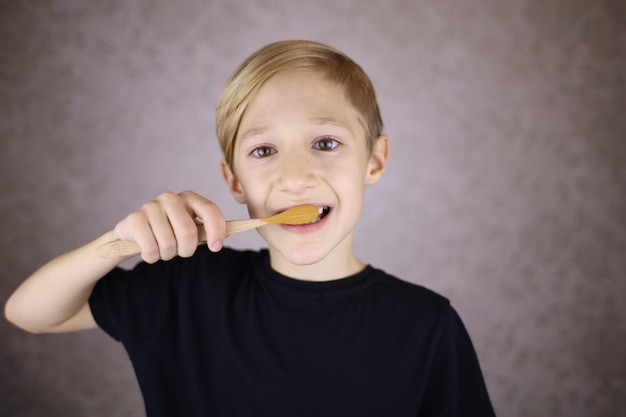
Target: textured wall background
[[506, 190]]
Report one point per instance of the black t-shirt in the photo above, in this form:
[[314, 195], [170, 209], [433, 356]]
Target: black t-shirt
[[222, 334]]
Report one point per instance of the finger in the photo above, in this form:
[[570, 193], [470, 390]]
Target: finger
[[182, 223], [161, 229], [135, 227], [212, 218]]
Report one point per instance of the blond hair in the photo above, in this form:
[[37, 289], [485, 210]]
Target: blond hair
[[294, 55]]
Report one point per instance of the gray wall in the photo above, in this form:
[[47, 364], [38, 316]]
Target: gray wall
[[506, 189]]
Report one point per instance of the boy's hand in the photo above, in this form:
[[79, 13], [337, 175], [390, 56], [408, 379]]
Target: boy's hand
[[166, 226]]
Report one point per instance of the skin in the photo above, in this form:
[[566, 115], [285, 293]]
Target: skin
[[300, 143]]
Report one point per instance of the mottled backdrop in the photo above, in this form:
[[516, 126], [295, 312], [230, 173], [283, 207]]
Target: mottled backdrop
[[506, 189]]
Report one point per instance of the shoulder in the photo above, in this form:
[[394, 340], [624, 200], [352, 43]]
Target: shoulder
[[149, 295], [412, 299], [407, 290]]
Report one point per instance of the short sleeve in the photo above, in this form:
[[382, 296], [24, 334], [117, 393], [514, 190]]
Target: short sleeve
[[455, 385], [133, 306], [101, 309]]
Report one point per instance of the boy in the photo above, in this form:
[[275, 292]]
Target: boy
[[303, 328]]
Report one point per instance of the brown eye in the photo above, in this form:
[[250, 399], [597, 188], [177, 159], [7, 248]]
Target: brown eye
[[326, 144], [263, 152]]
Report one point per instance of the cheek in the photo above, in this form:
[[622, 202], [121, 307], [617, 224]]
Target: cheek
[[255, 190], [349, 185]]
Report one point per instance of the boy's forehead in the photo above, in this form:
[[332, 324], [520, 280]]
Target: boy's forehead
[[323, 121], [302, 98], [323, 101]]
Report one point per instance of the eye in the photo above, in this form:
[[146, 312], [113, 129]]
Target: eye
[[263, 152], [326, 144]]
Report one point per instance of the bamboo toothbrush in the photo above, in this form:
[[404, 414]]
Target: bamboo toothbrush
[[295, 215]]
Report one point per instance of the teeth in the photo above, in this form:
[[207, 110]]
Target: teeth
[[322, 211]]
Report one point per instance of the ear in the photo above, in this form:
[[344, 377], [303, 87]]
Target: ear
[[234, 186], [378, 160]]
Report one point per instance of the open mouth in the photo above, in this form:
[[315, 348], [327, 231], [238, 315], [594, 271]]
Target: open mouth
[[322, 212]]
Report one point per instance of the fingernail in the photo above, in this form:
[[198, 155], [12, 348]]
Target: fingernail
[[216, 246]]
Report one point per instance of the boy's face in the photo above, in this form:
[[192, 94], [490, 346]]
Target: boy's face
[[300, 142]]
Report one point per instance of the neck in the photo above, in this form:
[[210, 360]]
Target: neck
[[331, 267]]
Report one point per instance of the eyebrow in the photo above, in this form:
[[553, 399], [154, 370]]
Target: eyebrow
[[320, 121], [254, 131], [330, 121]]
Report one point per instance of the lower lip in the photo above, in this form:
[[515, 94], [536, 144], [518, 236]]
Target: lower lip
[[306, 228]]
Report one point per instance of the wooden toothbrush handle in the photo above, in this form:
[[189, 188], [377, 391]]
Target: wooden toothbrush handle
[[121, 248]]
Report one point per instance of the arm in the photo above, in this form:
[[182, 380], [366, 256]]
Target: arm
[[56, 297]]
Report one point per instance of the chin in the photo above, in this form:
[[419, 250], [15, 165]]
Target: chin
[[303, 257], [299, 252]]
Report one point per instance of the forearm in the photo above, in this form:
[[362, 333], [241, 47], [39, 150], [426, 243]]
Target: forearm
[[55, 297]]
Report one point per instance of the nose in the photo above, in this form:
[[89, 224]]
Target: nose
[[296, 175]]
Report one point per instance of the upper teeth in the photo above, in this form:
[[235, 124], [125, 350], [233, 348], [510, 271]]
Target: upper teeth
[[321, 211]]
